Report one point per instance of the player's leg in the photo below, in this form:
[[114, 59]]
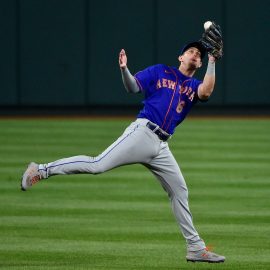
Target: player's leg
[[134, 146], [167, 171]]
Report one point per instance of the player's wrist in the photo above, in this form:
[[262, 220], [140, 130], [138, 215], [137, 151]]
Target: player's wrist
[[123, 68], [210, 68]]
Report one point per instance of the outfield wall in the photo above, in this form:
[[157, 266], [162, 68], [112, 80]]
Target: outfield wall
[[65, 52]]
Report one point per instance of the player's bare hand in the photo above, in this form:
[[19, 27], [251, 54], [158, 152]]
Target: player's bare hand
[[122, 59]]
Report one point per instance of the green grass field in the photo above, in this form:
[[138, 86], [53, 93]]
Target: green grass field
[[122, 219]]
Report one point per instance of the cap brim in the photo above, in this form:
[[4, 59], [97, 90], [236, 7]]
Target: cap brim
[[195, 44]]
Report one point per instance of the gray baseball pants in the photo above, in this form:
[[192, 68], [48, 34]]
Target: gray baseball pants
[[138, 144]]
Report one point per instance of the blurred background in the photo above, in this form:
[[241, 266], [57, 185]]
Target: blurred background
[[61, 56]]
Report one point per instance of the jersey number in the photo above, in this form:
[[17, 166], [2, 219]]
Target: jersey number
[[180, 106]]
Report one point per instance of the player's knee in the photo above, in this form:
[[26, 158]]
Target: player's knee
[[179, 192], [97, 168], [182, 192]]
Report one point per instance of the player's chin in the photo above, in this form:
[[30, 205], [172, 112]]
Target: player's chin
[[193, 65], [196, 64]]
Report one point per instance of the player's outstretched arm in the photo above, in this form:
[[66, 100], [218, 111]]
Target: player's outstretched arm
[[128, 80], [207, 86]]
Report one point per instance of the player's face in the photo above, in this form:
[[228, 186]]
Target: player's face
[[192, 57]]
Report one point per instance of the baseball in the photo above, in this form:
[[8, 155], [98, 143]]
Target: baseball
[[207, 25]]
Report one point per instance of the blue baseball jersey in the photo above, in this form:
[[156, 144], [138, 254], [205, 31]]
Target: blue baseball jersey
[[169, 95]]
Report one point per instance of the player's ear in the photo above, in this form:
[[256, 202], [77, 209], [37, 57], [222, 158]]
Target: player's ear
[[200, 64], [180, 58]]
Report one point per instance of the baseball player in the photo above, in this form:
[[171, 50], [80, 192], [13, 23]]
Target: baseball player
[[170, 93]]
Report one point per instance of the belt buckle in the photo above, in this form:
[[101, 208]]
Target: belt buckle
[[163, 137]]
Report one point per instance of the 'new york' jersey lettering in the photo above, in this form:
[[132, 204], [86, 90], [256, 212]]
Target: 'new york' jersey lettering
[[169, 95]]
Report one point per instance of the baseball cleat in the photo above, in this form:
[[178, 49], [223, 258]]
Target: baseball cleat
[[31, 176], [204, 255]]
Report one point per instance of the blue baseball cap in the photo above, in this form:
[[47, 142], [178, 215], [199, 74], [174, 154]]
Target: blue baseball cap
[[195, 44]]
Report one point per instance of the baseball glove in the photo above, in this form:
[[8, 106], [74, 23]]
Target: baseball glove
[[212, 41]]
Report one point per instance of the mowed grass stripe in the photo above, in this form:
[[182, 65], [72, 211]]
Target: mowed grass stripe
[[122, 219]]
